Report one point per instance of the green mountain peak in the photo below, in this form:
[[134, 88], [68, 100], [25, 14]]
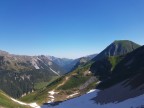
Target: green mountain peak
[[117, 48]]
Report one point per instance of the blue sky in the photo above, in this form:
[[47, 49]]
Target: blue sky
[[68, 28]]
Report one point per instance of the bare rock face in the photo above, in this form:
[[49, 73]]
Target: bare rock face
[[91, 80]]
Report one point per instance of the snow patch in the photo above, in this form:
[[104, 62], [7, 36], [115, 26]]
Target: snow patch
[[34, 105], [34, 63], [51, 96], [98, 82], [54, 71], [22, 103], [89, 72], [49, 63], [36, 66], [51, 92], [72, 95], [91, 91]]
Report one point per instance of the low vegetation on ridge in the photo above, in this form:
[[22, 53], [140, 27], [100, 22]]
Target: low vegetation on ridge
[[6, 102]]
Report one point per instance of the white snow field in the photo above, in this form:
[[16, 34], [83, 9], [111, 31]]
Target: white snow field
[[86, 101]]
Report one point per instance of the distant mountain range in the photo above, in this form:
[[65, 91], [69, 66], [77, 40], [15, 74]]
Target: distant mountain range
[[82, 61], [70, 64], [23, 63], [64, 63], [31, 70]]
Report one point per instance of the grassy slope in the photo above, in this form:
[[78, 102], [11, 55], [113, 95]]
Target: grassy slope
[[114, 60], [75, 79], [6, 102], [40, 95], [127, 45], [43, 84]]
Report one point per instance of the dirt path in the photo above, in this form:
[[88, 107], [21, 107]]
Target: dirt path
[[67, 78], [52, 93]]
